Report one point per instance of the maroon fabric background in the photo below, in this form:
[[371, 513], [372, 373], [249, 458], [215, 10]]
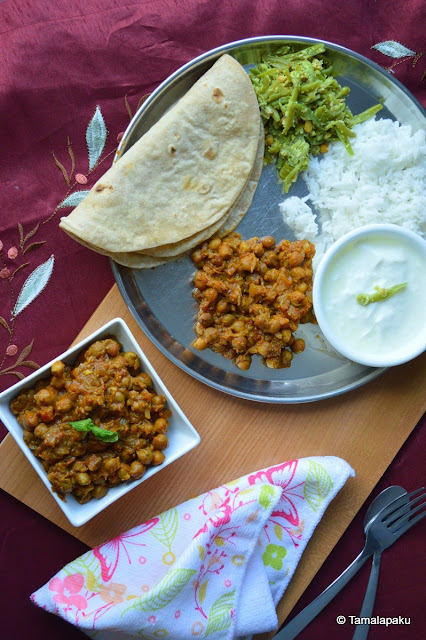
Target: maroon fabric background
[[59, 60]]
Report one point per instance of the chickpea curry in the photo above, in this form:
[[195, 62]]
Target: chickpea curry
[[104, 394], [251, 296]]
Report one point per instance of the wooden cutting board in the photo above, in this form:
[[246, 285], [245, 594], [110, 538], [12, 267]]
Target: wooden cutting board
[[366, 427]]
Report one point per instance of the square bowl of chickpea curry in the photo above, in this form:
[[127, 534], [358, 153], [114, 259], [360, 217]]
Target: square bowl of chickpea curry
[[96, 422]]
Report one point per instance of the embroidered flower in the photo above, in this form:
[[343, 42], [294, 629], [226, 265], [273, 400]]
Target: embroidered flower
[[80, 178], [12, 350], [273, 556], [73, 584], [112, 593], [120, 135], [12, 253], [4, 273]]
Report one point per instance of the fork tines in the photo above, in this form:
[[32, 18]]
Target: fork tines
[[400, 517]]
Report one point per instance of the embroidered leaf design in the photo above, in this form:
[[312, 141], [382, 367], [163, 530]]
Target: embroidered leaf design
[[33, 245], [129, 111], [73, 199], [393, 49], [202, 592], [96, 136], [220, 613], [317, 486], [62, 168], [21, 266], [278, 532], [71, 155], [4, 324], [19, 375], [30, 364], [24, 353], [165, 592], [34, 285], [266, 495], [166, 529], [22, 239], [21, 234]]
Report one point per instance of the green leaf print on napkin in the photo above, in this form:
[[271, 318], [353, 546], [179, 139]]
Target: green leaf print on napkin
[[266, 496], [317, 486], [166, 591], [166, 529], [220, 613], [90, 567]]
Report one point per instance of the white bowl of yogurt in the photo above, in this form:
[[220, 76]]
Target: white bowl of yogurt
[[369, 295]]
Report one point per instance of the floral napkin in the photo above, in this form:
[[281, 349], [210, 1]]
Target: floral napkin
[[215, 566]]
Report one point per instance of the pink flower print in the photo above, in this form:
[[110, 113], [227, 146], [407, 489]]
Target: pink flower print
[[12, 350], [152, 619], [228, 583], [112, 593], [108, 554], [187, 516], [12, 253], [177, 614], [73, 584], [4, 273], [80, 178], [282, 476]]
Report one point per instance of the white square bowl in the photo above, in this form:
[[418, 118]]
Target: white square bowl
[[182, 435]]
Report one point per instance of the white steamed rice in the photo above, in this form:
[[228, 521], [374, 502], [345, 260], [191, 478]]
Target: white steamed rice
[[383, 182]]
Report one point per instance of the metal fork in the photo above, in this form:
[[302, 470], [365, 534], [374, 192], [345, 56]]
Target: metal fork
[[362, 629], [389, 525]]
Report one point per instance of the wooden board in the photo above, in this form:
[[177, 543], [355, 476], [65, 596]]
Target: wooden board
[[366, 427]]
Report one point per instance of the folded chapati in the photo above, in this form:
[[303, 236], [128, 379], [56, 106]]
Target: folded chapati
[[183, 176]]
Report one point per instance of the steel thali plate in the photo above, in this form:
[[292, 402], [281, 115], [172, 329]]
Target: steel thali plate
[[161, 299]]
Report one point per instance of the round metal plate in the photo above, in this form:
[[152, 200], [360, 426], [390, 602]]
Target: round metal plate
[[161, 299]]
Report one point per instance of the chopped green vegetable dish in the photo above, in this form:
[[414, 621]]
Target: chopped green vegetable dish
[[302, 106], [380, 294]]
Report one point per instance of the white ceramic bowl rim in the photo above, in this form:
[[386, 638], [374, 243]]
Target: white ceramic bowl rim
[[367, 230], [182, 435]]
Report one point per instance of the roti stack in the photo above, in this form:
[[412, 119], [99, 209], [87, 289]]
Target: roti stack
[[191, 176]]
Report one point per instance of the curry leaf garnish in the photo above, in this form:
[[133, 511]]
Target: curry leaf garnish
[[87, 425], [380, 294]]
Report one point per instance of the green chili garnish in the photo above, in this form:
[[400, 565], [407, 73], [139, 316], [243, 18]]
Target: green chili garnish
[[380, 294], [102, 434]]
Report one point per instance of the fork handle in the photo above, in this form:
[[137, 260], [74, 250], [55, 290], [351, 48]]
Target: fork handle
[[361, 630], [305, 617]]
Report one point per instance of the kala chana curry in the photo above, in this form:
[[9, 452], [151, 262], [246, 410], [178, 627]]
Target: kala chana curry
[[251, 296], [96, 424]]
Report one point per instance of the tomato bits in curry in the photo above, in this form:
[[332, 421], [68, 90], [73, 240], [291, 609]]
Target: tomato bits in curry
[[251, 296], [95, 424]]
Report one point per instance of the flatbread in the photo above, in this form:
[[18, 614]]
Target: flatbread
[[230, 221], [183, 175]]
